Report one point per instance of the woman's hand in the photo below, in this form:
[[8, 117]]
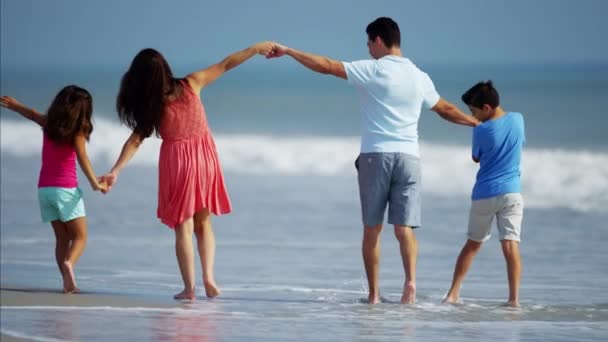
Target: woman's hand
[[263, 48], [108, 180]]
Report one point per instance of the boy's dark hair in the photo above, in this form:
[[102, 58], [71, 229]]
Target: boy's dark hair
[[144, 91], [69, 115], [480, 94], [385, 28]]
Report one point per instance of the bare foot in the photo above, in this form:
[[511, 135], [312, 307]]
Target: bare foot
[[211, 289], [185, 295], [409, 293], [373, 299], [69, 281], [450, 299], [74, 291], [512, 304]]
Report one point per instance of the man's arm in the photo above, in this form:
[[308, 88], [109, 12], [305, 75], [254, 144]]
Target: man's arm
[[451, 113], [321, 64]]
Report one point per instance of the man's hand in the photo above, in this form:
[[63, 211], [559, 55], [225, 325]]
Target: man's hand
[[278, 50]]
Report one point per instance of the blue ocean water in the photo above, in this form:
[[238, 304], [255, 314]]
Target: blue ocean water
[[288, 257]]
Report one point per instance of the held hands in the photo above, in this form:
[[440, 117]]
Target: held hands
[[270, 49], [108, 180], [100, 185], [278, 50], [263, 48]]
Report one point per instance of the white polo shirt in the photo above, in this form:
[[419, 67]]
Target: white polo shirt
[[392, 92]]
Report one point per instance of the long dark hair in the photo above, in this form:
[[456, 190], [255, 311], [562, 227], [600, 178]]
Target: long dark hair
[[70, 114], [144, 91]]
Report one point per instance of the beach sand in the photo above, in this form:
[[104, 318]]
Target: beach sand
[[20, 296]]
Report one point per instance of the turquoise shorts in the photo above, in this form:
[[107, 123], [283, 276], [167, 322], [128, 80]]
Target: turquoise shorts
[[63, 204]]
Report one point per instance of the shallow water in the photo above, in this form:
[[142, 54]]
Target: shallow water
[[289, 265], [288, 258]]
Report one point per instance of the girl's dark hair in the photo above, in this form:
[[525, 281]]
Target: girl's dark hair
[[480, 94], [70, 114], [385, 28], [144, 90]]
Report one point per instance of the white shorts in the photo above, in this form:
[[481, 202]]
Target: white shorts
[[508, 209]]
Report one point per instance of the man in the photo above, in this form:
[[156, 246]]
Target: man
[[392, 91]]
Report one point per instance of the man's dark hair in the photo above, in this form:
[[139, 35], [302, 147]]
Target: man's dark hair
[[480, 94], [385, 28]]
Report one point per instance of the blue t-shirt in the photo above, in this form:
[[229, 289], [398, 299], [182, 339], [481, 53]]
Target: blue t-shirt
[[392, 91], [497, 144]]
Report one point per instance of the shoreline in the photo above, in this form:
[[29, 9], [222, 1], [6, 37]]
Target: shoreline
[[18, 296]]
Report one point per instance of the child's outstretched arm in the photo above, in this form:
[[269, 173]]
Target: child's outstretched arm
[[199, 79], [128, 151], [85, 164], [28, 113]]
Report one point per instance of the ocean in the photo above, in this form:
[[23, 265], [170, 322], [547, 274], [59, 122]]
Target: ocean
[[288, 257]]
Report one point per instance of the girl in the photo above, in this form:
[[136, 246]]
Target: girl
[[66, 129], [190, 181]]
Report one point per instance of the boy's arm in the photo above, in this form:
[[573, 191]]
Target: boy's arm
[[199, 79], [28, 113], [475, 149], [317, 63], [451, 113], [85, 164]]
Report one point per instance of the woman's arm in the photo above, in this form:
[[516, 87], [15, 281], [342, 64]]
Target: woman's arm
[[199, 79], [128, 151], [85, 164], [28, 113]]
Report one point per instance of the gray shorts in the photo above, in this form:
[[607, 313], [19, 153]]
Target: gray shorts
[[509, 211], [393, 179]]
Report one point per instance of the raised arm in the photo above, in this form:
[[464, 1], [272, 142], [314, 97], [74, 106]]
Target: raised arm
[[85, 164], [199, 79], [128, 151], [451, 113], [317, 63], [28, 113]]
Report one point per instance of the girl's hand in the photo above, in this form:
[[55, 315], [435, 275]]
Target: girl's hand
[[10, 103], [102, 186], [109, 179], [99, 185]]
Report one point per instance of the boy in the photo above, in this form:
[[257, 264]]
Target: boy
[[497, 146]]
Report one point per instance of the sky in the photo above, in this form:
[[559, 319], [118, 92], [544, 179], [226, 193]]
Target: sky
[[110, 32]]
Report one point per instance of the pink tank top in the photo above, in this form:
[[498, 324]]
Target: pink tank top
[[58, 165]]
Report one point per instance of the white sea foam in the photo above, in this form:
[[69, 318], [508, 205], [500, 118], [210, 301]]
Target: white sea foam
[[134, 309], [23, 336], [289, 288], [551, 177]]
